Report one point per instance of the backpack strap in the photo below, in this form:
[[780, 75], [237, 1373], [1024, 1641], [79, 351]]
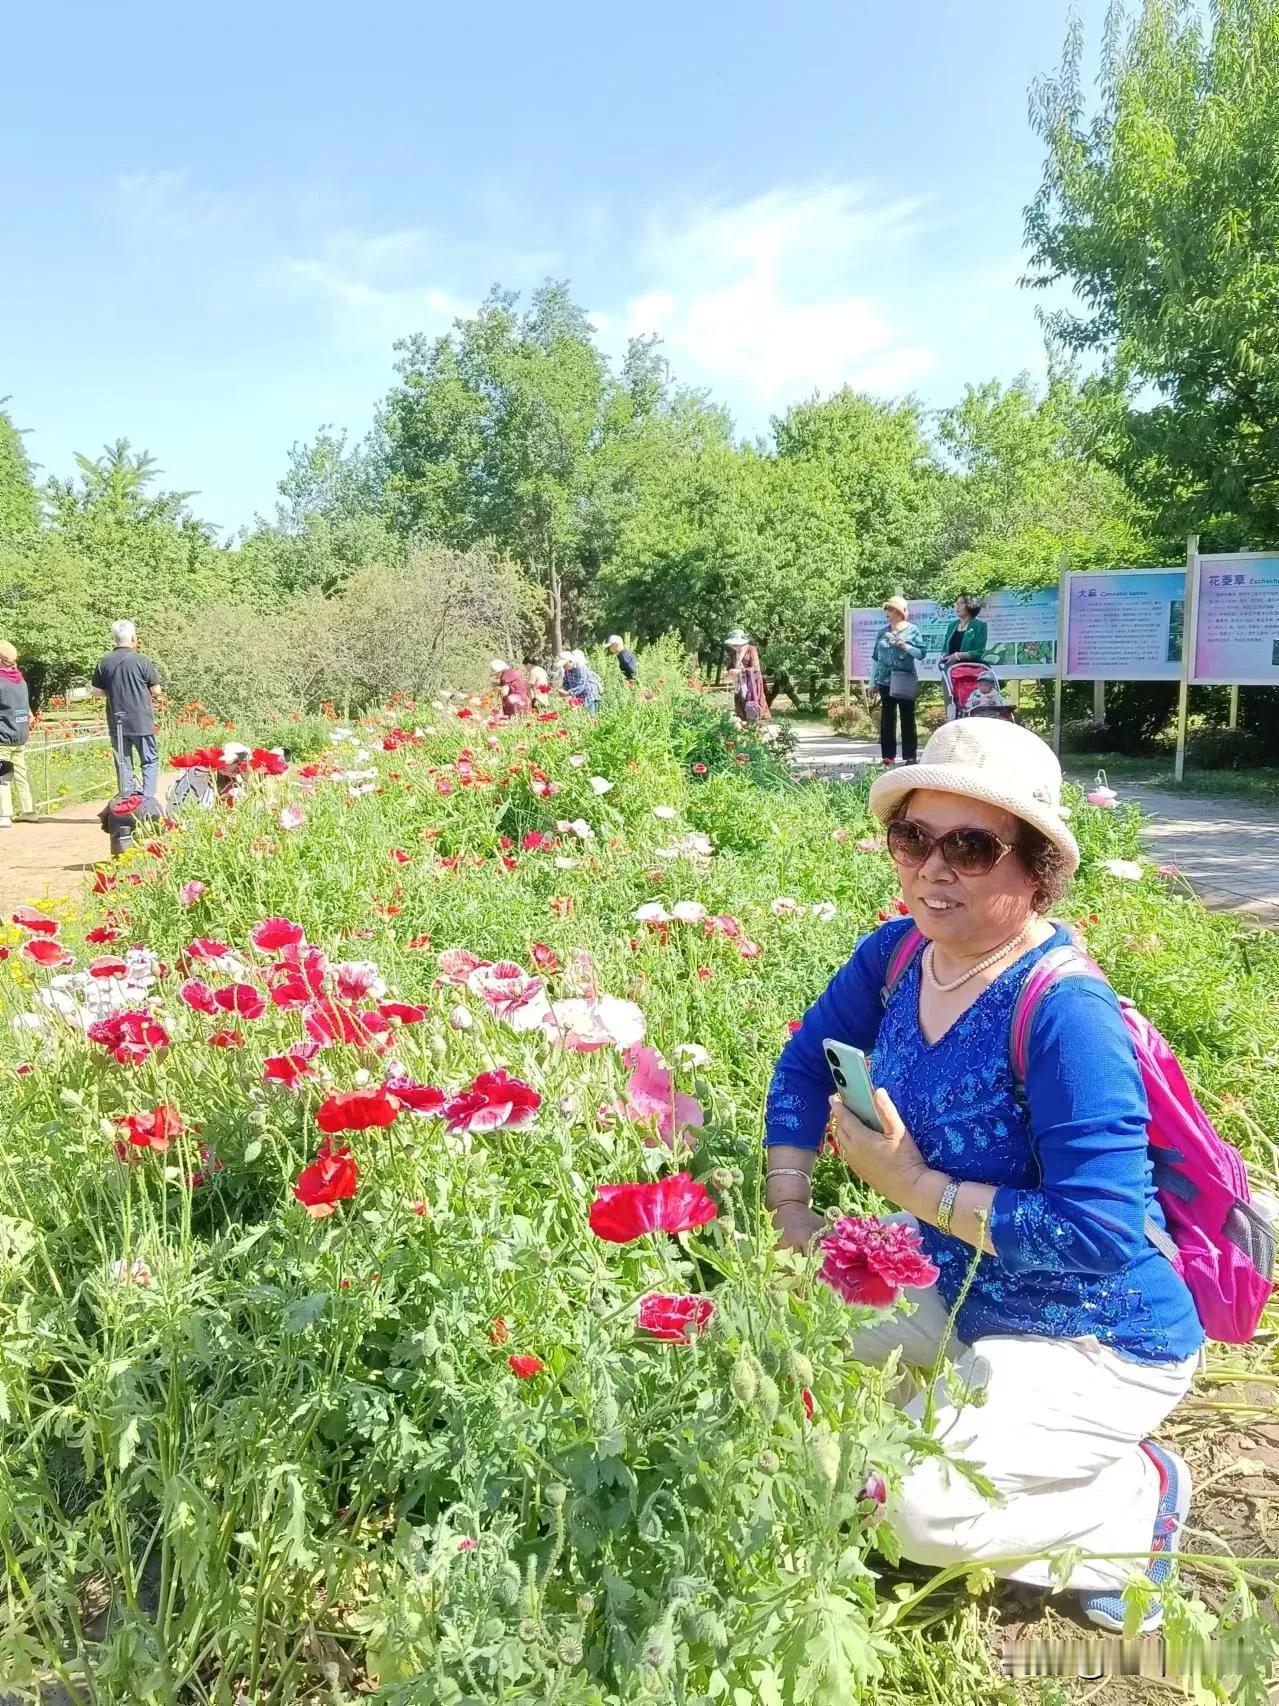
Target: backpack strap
[[900, 961], [1066, 961]]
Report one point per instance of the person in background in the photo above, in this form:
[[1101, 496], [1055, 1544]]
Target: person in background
[[580, 680], [1074, 1332], [749, 697], [513, 690], [15, 726], [966, 641], [897, 648], [625, 658], [539, 684], [130, 684]]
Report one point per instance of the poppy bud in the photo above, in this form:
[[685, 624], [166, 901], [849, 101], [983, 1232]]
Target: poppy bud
[[768, 1462], [722, 1178], [529, 1631], [823, 1453], [744, 1380], [768, 1399], [556, 1494], [800, 1369], [570, 1652], [585, 1604]]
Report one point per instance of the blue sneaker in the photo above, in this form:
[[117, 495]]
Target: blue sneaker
[[1107, 1609]]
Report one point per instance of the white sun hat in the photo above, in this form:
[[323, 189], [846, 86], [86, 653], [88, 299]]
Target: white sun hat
[[615, 640], [996, 762], [498, 667]]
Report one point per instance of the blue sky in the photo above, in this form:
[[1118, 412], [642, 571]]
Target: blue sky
[[215, 220]]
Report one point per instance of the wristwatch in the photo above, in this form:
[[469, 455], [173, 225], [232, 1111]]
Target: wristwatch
[[946, 1207]]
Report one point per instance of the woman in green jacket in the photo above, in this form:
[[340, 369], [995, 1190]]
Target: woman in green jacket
[[966, 641]]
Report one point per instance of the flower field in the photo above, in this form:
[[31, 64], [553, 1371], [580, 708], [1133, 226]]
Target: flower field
[[388, 1305]]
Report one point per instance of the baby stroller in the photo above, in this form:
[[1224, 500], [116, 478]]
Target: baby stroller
[[973, 691]]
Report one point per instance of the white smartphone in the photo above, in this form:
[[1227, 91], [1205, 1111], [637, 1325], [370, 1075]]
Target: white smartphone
[[853, 1081]]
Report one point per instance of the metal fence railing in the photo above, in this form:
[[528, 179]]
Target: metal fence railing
[[67, 764]]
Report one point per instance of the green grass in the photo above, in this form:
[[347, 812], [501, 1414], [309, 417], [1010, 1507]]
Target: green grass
[[261, 1474]]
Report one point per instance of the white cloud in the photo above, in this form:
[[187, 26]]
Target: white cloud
[[780, 295]]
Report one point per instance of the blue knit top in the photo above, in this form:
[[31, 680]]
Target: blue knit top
[[1068, 1156]]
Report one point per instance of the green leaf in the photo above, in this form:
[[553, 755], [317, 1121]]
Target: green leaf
[[305, 1312]]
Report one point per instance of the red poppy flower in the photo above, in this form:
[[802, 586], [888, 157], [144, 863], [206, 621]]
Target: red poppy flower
[[226, 1039], [107, 967], [100, 935], [525, 1367], [203, 758], [418, 1098], [422, 941], [155, 1130], [401, 857], [544, 958], [674, 1318], [44, 951], [535, 840], [267, 763], [131, 1037], [245, 1000], [498, 1334], [330, 1021], [676, 1203], [206, 948], [330, 1179], [699, 770], [270, 935], [27, 918], [286, 1069], [104, 882], [494, 1100], [807, 1400], [357, 1110], [198, 995], [867, 1261], [407, 1012]]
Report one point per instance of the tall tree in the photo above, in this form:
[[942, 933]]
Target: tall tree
[[490, 432], [1161, 210], [1031, 487], [19, 500]]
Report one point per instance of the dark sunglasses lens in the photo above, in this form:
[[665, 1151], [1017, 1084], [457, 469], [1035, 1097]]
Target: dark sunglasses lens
[[970, 852], [907, 842]]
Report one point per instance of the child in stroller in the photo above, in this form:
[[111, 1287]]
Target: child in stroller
[[973, 691]]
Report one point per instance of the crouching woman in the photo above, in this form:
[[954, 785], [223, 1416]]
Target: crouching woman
[[1080, 1334]]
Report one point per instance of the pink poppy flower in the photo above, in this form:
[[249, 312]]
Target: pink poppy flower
[[589, 1025], [493, 1101], [328, 1021], [867, 1262], [129, 1037], [652, 1097], [108, 967], [271, 935], [1104, 797], [417, 1098], [457, 964], [355, 979], [291, 817], [36, 923], [44, 951], [206, 948], [189, 893], [673, 1318], [197, 994], [507, 989]]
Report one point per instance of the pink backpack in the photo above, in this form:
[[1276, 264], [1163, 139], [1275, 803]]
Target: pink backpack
[[1217, 1238]]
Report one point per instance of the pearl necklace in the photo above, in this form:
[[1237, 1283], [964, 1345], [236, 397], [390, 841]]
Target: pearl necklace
[[981, 966]]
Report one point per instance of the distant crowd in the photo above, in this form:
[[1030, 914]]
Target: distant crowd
[[531, 688]]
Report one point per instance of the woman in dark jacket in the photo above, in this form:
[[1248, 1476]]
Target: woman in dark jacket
[[15, 725]]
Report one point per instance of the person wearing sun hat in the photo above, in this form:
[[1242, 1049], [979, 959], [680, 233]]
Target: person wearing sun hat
[[626, 660], [513, 690], [1078, 1330], [898, 648]]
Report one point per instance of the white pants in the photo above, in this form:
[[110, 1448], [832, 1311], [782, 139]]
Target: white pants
[[1057, 1434]]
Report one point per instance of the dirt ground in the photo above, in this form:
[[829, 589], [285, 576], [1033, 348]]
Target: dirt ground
[[49, 858]]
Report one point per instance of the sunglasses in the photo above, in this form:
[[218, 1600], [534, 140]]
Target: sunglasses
[[968, 852]]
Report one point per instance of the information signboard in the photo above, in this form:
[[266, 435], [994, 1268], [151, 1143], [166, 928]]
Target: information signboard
[[1021, 634], [1236, 637], [1124, 624]]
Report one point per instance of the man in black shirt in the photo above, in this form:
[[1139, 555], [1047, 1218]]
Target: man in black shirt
[[131, 686], [625, 659]]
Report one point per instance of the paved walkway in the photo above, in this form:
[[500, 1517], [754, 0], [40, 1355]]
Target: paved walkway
[[49, 859], [1227, 851]]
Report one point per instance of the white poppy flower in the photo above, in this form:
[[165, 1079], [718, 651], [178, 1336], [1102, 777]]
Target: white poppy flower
[[599, 785], [688, 912]]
